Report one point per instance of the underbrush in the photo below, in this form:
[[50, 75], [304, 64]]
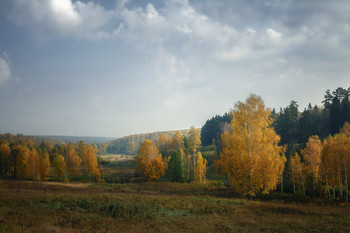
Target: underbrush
[[27, 206]]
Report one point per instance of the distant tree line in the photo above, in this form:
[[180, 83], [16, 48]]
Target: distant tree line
[[293, 126], [129, 145], [21, 158], [316, 146], [177, 159]]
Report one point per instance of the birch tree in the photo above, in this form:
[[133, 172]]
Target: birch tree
[[251, 156]]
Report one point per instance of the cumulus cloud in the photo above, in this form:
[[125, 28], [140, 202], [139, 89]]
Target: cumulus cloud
[[5, 70], [185, 40], [61, 18]]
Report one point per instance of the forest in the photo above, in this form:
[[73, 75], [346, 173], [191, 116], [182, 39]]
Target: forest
[[250, 154]]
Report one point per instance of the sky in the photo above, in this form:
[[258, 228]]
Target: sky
[[118, 67]]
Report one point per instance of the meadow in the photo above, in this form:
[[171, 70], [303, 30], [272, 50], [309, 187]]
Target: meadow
[[48, 206]]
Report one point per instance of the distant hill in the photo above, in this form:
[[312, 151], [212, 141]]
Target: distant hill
[[76, 139], [130, 144]]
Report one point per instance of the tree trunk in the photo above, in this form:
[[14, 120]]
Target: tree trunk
[[302, 179], [327, 186], [33, 169], [194, 166], [328, 191], [313, 173], [339, 179], [282, 183], [293, 178], [333, 185], [346, 183]]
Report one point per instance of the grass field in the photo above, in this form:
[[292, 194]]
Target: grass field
[[117, 157], [118, 168], [27, 206]]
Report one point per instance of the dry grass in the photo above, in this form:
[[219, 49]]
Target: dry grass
[[27, 206], [117, 157]]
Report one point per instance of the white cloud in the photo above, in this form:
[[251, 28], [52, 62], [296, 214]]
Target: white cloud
[[5, 70], [62, 18], [169, 70], [273, 34], [238, 47]]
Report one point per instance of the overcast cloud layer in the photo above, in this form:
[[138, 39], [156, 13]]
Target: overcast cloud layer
[[114, 68]]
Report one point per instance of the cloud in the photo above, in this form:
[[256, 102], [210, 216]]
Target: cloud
[[219, 44], [5, 70], [61, 18], [169, 70]]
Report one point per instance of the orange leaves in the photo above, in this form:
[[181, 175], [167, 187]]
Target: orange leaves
[[59, 166], [162, 142], [22, 154], [156, 168], [298, 172], [90, 162], [194, 139], [178, 141], [5, 153], [327, 163], [148, 150], [200, 169], [44, 164], [312, 157], [149, 162], [33, 165], [251, 156], [336, 162]]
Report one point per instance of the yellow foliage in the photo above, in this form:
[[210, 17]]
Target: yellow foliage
[[336, 161], [194, 139], [251, 155], [59, 166], [178, 141], [162, 142], [21, 170], [312, 157], [149, 162], [44, 165], [90, 162], [298, 172], [346, 129], [33, 165], [5, 153], [201, 168]]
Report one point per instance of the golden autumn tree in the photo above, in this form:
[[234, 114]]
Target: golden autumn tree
[[63, 150], [5, 152], [162, 143], [346, 129], [73, 161], [44, 164], [169, 146], [251, 156], [336, 164], [200, 169], [178, 141], [194, 139], [312, 156], [149, 162], [298, 172], [81, 149], [59, 166], [21, 165], [90, 163], [194, 142], [33, 165]]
